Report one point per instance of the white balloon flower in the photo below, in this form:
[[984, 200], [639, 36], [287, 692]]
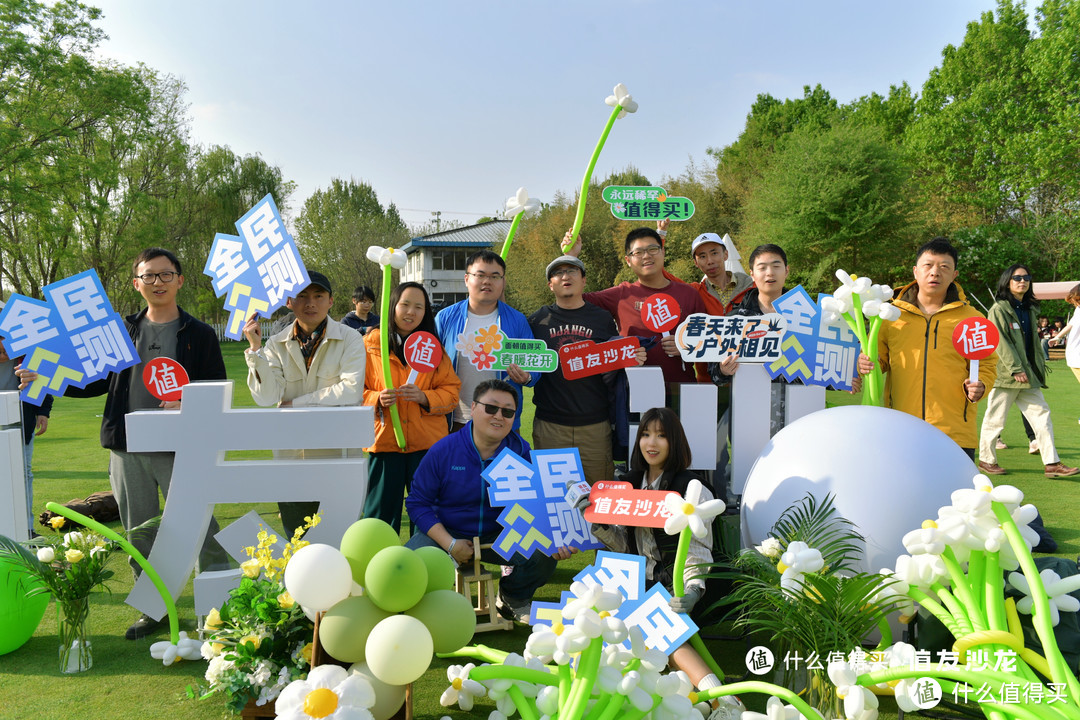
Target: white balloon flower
[[520, 202], [691, 511], [622, 98], [185, 649], [1057, 591], [859, 702], [462, 690]]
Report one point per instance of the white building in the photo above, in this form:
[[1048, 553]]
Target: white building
[[438, 261]]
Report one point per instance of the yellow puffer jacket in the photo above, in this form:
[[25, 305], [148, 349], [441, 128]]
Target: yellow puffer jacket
[[925, 373], [422, 428]]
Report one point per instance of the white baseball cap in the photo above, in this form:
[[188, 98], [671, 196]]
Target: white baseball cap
[[707, 238]]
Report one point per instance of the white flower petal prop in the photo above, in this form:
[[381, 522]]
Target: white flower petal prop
[[896, 592], [844, 278], [771, 548], [844, 299], [547, 700], [889, 312], [871, 308], [859, 702], [329, 692], [922, 571], [927, 540], [1057, 590], [520, 202], [185, 649], [541, 643], [387, 256], [462, 690], [802, 558], [691, 511], [831, 308], [650, 658], [621, 97]]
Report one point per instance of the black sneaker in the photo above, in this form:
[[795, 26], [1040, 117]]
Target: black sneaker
[[516, 611], [142, 627]]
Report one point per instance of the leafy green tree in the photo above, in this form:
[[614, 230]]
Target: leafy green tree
[[53, 99], [833, 199], [335, 228]]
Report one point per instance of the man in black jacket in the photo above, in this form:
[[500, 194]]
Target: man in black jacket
[[161, 329]]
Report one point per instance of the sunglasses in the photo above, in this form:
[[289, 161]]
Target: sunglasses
[[492, 409], [1021, 278]]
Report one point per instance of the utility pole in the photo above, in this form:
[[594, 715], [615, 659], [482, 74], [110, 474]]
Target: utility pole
[[436, 214]]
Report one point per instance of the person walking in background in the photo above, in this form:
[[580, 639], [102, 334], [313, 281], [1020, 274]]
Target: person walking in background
[[362, 318], [1021, 375], [1069, 335], [422, 404]]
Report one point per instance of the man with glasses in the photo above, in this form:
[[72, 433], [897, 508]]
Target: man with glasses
[[645, 256], [485, 279], [574, 413], [448, 502], [161, 329]]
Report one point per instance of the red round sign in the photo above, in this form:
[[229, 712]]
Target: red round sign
[[976, 338], [165, 378], [660, 313], [423, 352]]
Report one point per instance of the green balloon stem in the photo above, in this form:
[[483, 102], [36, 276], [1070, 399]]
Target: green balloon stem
[[565, 681], [1041, 617], [480, 652], [698, 644], [511, 672], [611, 708], [585, 680], [580, 217], [886, 632], [678, 584], [510, 235], [166, 596], [522, 704], [384, 351]]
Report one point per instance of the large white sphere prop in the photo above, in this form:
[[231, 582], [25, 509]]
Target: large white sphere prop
[[399, 650], [889, 471], [388, 698], [318, 577]]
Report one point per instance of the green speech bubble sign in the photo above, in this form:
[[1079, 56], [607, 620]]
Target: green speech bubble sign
[[641, 202]]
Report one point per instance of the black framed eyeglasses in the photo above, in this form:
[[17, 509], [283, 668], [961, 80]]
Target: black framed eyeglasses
[[1021, 278], [150, 278], [490, 409], [651, 251]]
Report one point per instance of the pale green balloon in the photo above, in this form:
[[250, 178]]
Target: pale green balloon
[[396, 579], [448, 616], [363, 540], [344, 629], [441, 571]]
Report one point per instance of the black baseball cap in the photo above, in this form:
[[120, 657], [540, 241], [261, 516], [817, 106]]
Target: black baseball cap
[[317, 278]]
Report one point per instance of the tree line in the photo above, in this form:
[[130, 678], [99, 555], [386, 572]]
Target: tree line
[[96, 163]]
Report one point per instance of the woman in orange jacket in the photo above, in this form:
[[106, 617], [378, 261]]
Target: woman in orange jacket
[[422, 405]]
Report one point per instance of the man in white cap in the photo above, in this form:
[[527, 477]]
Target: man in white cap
[[720, 289]]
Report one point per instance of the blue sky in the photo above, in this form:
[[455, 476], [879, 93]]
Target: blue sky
[[452, 106]]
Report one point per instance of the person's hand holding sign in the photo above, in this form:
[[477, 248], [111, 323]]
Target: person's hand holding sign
[[976, 338]]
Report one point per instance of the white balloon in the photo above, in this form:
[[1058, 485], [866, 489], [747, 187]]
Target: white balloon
[[388, 698], [384, 257], [318, 577], [399, 649], [889, 471], [374, 252], [398, 259], [522, 196]]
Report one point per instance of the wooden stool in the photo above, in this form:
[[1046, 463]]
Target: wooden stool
[[484, 604]]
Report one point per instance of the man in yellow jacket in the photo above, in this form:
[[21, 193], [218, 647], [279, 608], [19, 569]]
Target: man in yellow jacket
[[927, 377]]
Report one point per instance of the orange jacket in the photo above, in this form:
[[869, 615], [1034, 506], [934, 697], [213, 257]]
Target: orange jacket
[[423, 428]]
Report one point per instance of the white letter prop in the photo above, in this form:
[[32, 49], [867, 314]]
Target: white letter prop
[[12, 479], [202, 430]]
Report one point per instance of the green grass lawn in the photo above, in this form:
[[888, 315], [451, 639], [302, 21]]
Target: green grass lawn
[[126, 683]]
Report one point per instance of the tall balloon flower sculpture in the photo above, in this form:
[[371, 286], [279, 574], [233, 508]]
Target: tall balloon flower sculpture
[[518, 205], [622, 102], [854, 299], [388, 258]]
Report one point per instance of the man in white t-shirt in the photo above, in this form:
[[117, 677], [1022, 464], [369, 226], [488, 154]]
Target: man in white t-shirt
[[485, 279]]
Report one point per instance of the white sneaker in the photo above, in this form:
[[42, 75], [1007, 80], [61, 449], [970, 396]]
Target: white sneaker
[[998, 445], [1033, 447]]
